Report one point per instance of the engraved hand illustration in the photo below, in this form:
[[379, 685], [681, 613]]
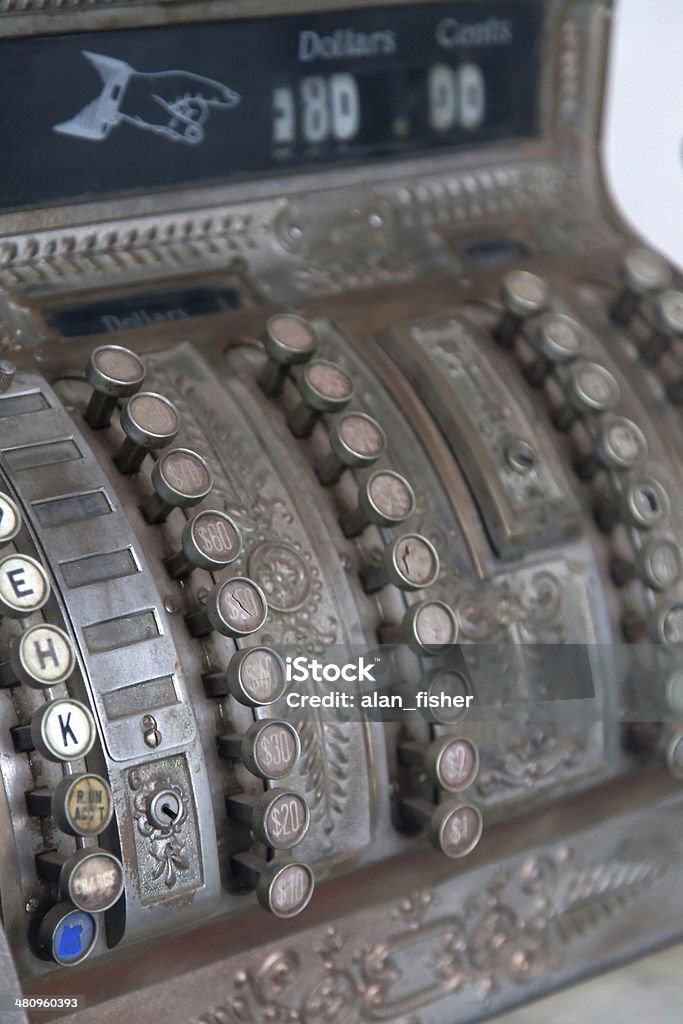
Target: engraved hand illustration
[[174, 104]]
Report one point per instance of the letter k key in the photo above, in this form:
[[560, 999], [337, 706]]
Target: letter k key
[[67, 731]]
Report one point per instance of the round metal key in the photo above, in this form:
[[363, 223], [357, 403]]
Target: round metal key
[[285, 889], [82, 804], [643, 273], [67, 935], [669, 626], [92, 879], [63, 730], [645, 503], [256, 676], [673, 693], [450, 689], [113, 372], [669, 313], [410, 563], [356, 440], [455, 829], [279, 819], [234, 608], [388, 498], [149, 422], [385, 499], [42, 656], [621, 444], [270, 749], [209, 541], [10, 520], [288, 340], [452, 763], [430, 626], [324, 388], [413, 562], [24, 586], [558, 338], [524, 295], [181, 479], [592, 388], [240, 607], [325, 385], [660, 563], [674, 755]]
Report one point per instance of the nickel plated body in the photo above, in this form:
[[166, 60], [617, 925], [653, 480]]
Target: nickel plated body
[[404, 404]]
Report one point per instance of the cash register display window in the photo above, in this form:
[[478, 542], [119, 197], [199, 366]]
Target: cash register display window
[[114, 112]]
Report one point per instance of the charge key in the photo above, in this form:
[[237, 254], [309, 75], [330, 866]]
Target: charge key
[[92, 879]]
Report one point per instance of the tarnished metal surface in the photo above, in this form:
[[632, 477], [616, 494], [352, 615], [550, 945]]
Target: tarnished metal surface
[[558, 553]]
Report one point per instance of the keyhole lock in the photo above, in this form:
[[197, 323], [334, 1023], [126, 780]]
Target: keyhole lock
[[165, 808]]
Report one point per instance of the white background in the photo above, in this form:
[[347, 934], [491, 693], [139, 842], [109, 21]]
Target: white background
[[643, 128]]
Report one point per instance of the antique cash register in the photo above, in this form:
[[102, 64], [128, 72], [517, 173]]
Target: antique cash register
[[328, 370]]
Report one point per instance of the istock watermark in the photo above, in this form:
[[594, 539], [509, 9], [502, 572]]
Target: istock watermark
[[304, 670]]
